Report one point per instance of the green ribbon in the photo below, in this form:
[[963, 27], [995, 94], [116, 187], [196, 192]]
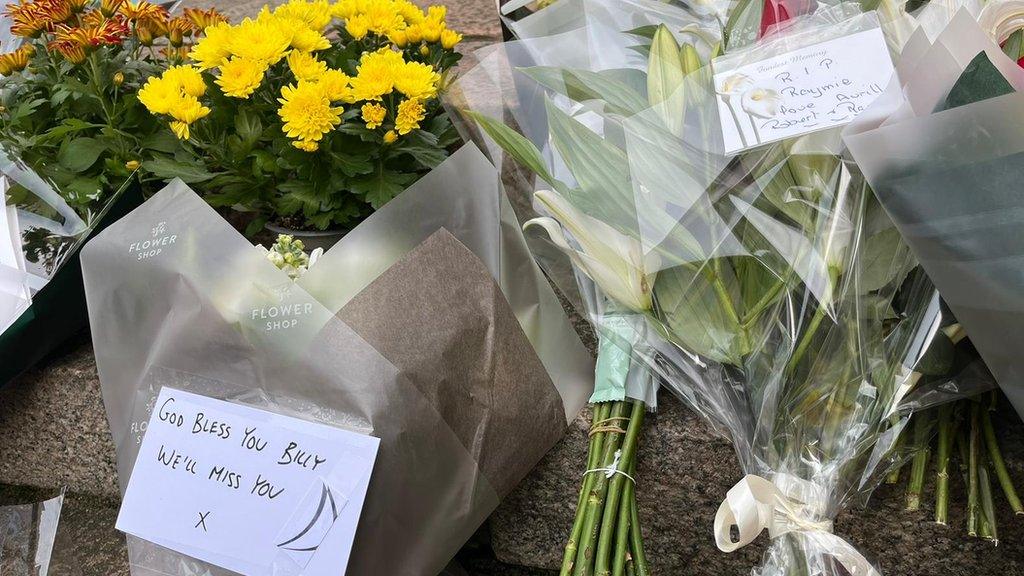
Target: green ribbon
[[616, 337]]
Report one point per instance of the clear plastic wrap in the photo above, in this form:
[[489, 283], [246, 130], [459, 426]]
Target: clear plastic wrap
[[948, 175], [767, 289], [427, 327], [28, 533]]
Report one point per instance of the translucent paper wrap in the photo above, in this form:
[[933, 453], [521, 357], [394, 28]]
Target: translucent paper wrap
[[428, 326], [948, 175], [767, 289]]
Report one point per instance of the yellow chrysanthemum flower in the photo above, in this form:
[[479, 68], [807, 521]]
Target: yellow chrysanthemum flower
[[437, 13], [214, 48], [188, 79], [411, 13], [414, 34], [390, 137], [373, 114], [410, 114], [336, 86], [357, 27], [417, 81], [307, 113], [305, 66], [187, 112], [432, 30], [240, 77], [159, 95], [450, 38], [315, 14], [303, 37], [376, 74], [258, 41]]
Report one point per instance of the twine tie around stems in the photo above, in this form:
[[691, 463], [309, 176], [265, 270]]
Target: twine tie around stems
[[612, 469], [789, 505]]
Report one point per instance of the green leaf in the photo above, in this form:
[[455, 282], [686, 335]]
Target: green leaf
[[1014, 45], [352, 164], [694, 316], [583, 85], [168, 169], [938, 360], [516, 144], [744, 25], [66, 128], [79, 154], [248, 126], [381, 186], [255, 226], [422, 148], [601, 169], [163, 141], [885, 260]]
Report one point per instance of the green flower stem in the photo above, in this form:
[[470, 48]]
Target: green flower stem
[[894, 476], [714, 275], [603, 559], [594, 507], [999, 465], [973, 461], [812, 328], [988, 508], [620, 554], [947, 430], [919, 466], [752, 315], [601, 412], [636, 541]]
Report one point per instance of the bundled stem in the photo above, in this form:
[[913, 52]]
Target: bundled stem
[[922, 425], [947, 430], [973, 455], [1002, 474], [605, 537]]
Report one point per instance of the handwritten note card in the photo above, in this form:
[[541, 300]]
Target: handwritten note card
[[820, 86], [248, 490]]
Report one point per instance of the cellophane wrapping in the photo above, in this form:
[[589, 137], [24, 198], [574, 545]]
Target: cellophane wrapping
[[947, 175], [767, 289], [428, 326]]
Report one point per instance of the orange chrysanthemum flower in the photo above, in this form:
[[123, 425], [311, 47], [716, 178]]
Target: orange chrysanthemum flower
[[70, 51], [110, 7], [178, 29], [30, 18], [112, 31], [203, 19], [16, 61], [142, 11]]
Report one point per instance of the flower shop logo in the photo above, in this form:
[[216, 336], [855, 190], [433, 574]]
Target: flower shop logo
[[281, 316], [155, 244]]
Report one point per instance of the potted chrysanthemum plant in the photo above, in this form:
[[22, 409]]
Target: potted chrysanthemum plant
[[72, 137], [311, 115]]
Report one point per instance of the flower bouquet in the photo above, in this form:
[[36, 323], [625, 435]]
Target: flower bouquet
[[382, 336], [312, 114], [72, 136], [766, 287]]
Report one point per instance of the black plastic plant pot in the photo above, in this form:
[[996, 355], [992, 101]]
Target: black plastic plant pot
[[58, 311]]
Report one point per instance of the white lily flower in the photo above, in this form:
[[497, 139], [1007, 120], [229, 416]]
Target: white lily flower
[[1001, 18], [614, 261], [761, 102]]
